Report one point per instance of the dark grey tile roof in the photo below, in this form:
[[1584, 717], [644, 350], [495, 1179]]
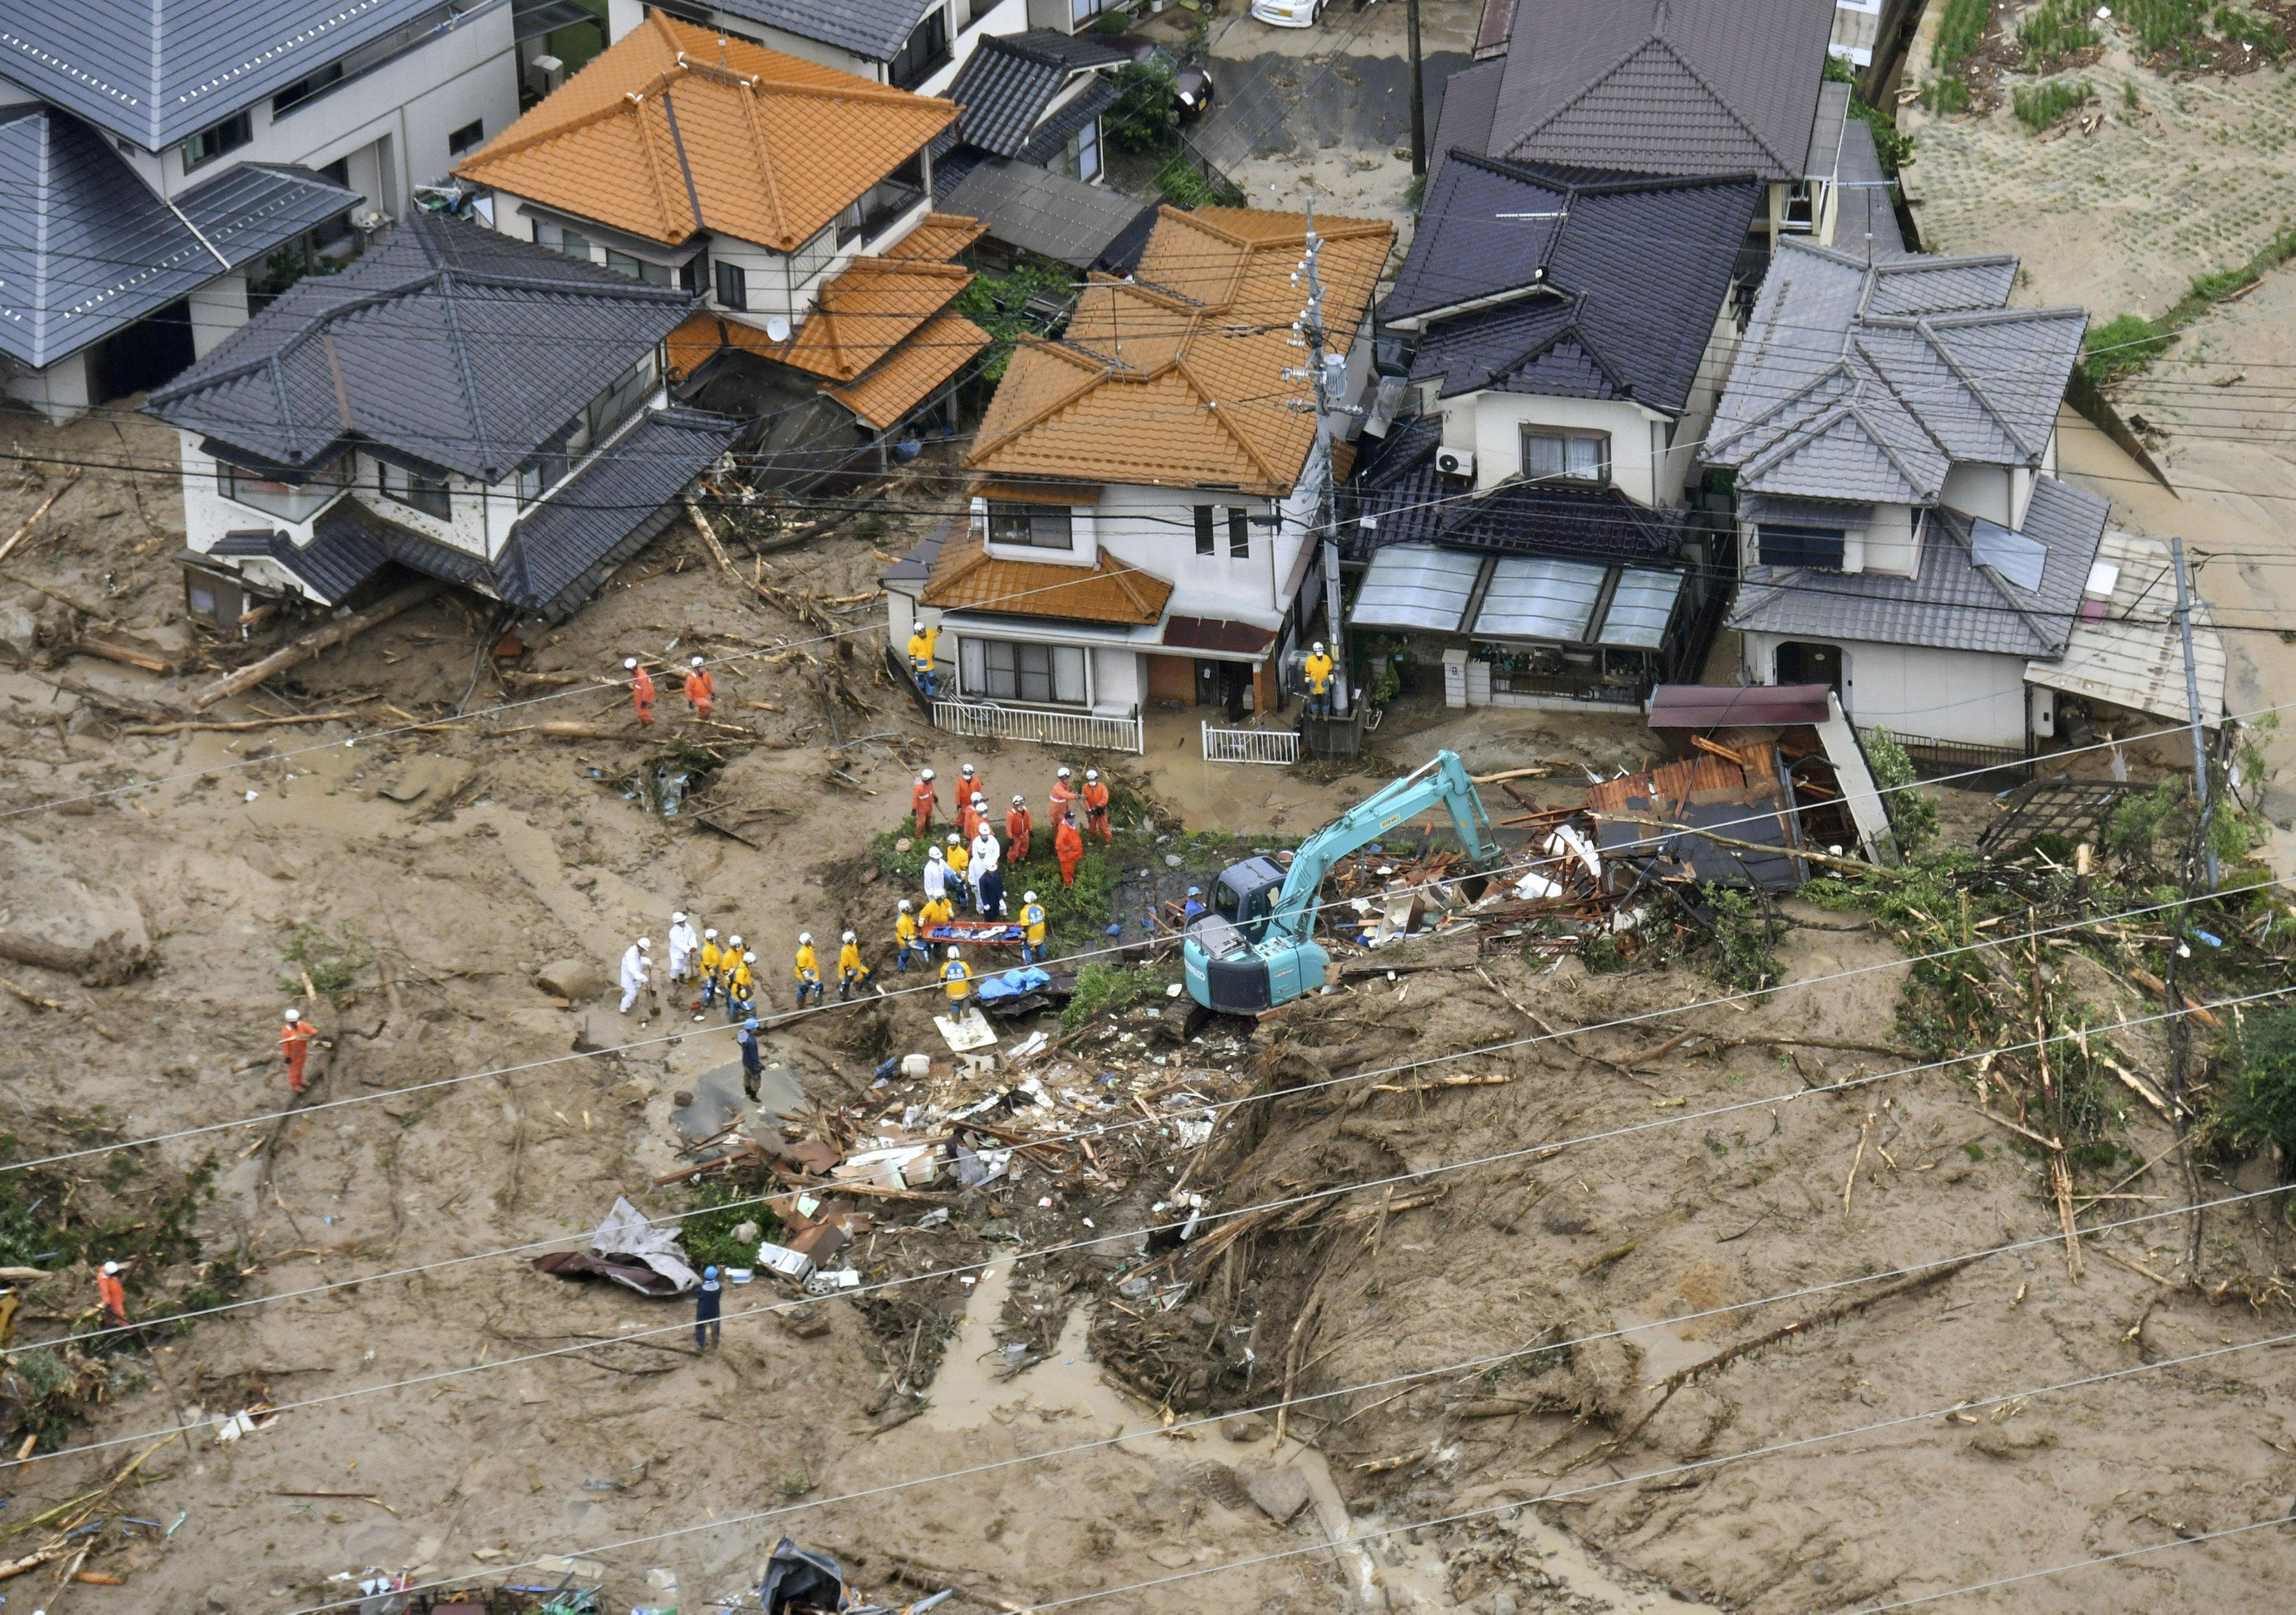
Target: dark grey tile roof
[[1045, 213], [1870, 381], [1827, 127], [86, 247], [1053, 133], [153, 71], [1463, 121], [917, 565], [557, 556], [1865, 217], [341, 556], [253, 208], [1664, 86], [446, 342], [1009, 79], [1954, 603], [1396, 484], [1617, 297], [874, 28]]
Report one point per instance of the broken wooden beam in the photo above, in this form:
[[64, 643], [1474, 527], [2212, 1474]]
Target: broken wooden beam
[[128, 653], [319, 639], [24, 528]]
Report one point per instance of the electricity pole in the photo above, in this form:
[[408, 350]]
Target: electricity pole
[[1418, 95], [1307, 331], [2193, 709]]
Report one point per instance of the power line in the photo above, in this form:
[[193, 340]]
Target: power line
[[2080, 1564]]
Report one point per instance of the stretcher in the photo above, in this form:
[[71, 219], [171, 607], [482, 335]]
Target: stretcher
[[971, 934]]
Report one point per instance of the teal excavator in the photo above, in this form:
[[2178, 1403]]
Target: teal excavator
[[1257, 947]]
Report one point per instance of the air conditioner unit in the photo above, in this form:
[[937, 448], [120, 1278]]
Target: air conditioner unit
[[543, 75], [1456, 461]]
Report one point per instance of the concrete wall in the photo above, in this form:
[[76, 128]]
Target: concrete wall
[[1673, 474], [1954, 696], [60, 392]]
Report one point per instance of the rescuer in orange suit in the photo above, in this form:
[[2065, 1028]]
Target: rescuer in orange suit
[[924, 801], [1017, 826], [1068, 846], [701, 689], [641, 689]]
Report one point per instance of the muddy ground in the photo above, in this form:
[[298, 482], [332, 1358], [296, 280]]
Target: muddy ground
[[426, 1432]]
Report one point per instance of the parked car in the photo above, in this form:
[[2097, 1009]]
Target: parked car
[[1192, 87], [1288, 14]]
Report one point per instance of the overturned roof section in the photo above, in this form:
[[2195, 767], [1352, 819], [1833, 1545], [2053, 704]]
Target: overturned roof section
[[152, 72], [86, 248], [1664, 86], [1610, 290], [1957, 602], [677, 129], [2125, 646], [1871, 383], [1178, 378], [446, 342]]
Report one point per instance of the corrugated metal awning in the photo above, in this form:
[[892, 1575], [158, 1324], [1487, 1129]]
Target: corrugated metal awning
[[2129, 654], [1415, 585], [1536, 597]]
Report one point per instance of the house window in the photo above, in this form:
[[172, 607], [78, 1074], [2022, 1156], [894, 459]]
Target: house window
[[1566, 456], [1207, 531], [212, 141], [1081, 11], [530, 483], [926, 49], [733, 286], [693, 274], [1079, 159], [469, 135], [1801, 205], [637, 268], [1239, 533], [427, 495], [573, 243], [1050, 676], [1819, 548], [1044, 526], [305, 87], [287, 501]]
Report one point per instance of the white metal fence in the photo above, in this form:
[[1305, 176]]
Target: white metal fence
[[1279, 747], [1083, 730]]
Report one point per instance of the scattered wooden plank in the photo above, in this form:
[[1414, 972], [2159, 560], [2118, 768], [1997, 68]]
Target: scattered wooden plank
[[128, 652], [24, 528], [319, 639]]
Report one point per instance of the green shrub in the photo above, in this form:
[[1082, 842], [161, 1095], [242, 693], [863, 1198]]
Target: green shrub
[[1912, 816], [1003, 306], [2261, 1108], [2040, 107], [2136, 821], [1894, 149], [2123, 346], [1102, 990], [1946, 96], [1747, 934], [1961, 30], [332, 960], [2166, 28], [2055, 29], [1145, 116], [707, 1235], [2243, 28], [1184, 186]]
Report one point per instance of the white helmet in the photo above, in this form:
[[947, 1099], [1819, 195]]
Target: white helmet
[[966, 770], [1062, 775], [645, 944], [697, 662], [805, 939], [293, 1013], [1091, 773], [1027, 897], [904, 905], [748, 958], [1319, 647], [925, 774], [952, 950], [710, 934], [1018, 800], [678, 917], [932, 853], [980, 800], [952, 838], [111, 1266], [735, 941], [629, 664], [848, 936]]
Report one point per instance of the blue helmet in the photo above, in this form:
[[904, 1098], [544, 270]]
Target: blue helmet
[[709, 1273], [749, 1026]]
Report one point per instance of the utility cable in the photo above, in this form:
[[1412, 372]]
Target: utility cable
[[2080, 1564], [766, 1310]]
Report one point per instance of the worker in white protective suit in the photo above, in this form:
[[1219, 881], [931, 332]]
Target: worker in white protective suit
[[637, 966], [682, 946]]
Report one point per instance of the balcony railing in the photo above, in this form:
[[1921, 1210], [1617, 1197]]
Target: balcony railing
[[1279, 748], [1086, 731]]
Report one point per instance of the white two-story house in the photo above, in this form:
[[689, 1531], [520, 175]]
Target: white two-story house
[[161, 179], [793, 199], [1146, 523], [1891, 431], [455, 404], [1568, 337]]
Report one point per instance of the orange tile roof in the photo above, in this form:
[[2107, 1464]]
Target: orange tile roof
[[938, 237], [908, 376], [965, 577], [676, 128], [867, 312], [1176, 377]]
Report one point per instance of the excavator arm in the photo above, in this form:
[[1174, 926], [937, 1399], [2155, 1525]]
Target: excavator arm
[[1258, 949]]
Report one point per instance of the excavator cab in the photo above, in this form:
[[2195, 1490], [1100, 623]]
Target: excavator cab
[[1246, 893]]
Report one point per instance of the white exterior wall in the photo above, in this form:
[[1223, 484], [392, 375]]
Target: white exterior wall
[[1698, 411], [218, 309], [1979, 490], [969, 22], [60, 392], [1154, 530], [1954, 696], [1491, 424]]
